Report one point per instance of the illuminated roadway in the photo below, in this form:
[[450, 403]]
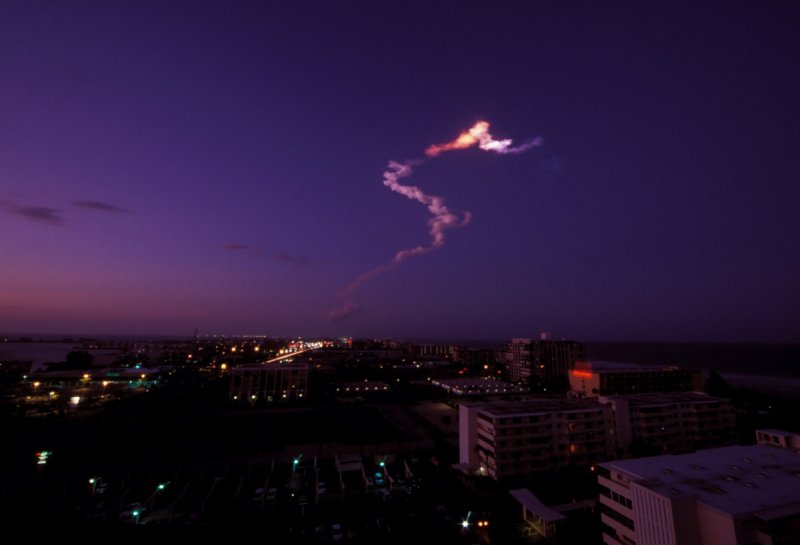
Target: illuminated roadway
[[290, 355]]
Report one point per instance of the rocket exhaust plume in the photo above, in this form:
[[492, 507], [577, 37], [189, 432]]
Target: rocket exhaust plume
[[479, 134], [442, 218]]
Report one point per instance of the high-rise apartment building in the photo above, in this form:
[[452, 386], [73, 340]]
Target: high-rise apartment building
[[543, 363]]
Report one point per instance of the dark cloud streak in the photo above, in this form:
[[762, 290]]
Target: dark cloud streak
[[101, 206], [234, 247], [289, 258], [41, 214], [285, 257]]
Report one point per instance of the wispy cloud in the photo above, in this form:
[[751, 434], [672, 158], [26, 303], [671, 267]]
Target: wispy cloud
[[231, 247], [281, 255], [289, 258], [42, 214], [101, 206]]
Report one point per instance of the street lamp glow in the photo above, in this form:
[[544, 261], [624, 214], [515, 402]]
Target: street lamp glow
[[41, 457]]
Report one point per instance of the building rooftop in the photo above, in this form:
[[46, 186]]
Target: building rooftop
[[536, 406], [268, 365], [478, 385], [534, 505], [612, 366], [779, 433], [601, 364], [734, 480], [664, 398]]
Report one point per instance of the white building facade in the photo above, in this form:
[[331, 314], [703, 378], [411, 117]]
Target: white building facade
[[738, 495]]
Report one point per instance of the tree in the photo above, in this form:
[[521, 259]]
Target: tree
[[79, 359], [716, 385]]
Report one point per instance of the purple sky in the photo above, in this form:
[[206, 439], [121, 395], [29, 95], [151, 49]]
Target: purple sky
[[166, 166]]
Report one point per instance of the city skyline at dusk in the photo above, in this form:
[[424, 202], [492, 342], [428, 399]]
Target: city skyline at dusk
[[184, 165]]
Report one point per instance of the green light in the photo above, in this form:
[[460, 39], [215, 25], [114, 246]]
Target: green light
[[162, 486], [135, 513], [91, 481], [382, 464], [42, 457]]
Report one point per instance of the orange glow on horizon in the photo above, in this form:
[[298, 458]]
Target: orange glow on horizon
[[582, 374]]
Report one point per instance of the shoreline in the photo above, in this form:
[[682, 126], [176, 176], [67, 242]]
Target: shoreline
[[784, 386]]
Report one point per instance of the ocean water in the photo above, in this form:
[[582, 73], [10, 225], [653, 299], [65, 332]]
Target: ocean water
[[768, 360], [36, 352]]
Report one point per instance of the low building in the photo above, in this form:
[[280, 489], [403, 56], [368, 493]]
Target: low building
[[508, 438], [675, 422], [605, 378], [362, 387], [476, 386], [269, 383], [556, 521], [737, 495], [779, 438]]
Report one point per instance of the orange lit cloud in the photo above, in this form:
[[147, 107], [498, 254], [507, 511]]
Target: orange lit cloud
[[477, 134]]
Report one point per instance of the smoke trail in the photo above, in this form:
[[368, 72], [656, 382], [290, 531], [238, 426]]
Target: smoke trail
[[441, 217], [441, 220]]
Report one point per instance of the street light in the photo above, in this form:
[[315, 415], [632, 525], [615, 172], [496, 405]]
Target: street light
[[41, 457]]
